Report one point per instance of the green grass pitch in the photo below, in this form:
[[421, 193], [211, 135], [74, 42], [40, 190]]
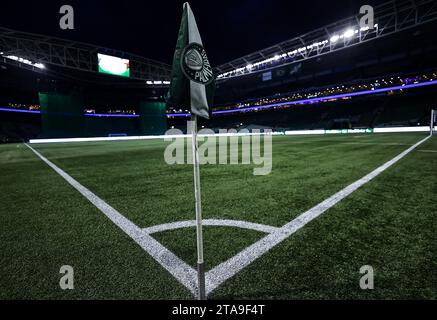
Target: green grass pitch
[[389, 223]]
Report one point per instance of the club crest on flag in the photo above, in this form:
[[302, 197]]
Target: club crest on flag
[[195, 64], [192, 82]]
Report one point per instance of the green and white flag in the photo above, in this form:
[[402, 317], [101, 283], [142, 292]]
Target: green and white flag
[[192, 79]]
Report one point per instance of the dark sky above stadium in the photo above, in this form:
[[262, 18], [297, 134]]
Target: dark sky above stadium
[[229, 28]]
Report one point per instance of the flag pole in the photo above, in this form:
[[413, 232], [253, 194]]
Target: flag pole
[[200, 263]]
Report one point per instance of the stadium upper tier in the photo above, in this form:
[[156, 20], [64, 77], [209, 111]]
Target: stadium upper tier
[[384, 85], [387, 85]]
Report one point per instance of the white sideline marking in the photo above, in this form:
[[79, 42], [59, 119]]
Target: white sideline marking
[[378, 143], [427, 151], [211, 222], [229, 268], [185, 274]]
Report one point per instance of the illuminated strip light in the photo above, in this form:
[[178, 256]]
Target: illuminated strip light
[[402, 129], [114, 115], [164, 136], [19, 110], [355, 131], [288, 133], [178, 115], [25, 61], [301, 132], [85, 114], [348, 33], [93, 139]]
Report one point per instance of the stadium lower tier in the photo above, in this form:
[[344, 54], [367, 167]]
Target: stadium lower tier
[[403, 108]]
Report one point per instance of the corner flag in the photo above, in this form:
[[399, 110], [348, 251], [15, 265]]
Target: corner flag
[[192, 86], [192, 79]]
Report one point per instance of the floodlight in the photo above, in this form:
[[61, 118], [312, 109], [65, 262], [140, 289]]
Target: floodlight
[[348, 33], [335, 38]]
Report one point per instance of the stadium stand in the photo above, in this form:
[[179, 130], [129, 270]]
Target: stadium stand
[[400, 58]]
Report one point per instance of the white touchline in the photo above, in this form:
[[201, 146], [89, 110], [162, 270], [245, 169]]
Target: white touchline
[[185, 274], [229, 268], [430, 151], [378, 143]]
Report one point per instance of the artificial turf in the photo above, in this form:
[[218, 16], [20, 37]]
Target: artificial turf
[[389, 223]]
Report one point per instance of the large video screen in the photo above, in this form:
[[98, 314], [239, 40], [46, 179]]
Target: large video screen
[[113, 65]]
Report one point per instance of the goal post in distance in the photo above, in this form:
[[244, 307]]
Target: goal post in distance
[[433, 122]]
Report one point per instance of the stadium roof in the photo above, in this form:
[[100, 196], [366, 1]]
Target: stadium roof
[[35, 51], [390, 17]]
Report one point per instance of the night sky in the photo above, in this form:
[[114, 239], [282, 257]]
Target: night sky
[[229, 29]]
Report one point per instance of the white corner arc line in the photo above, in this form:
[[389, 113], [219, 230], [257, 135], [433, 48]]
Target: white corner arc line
[[185, 274], [229, 268], [211, 222]]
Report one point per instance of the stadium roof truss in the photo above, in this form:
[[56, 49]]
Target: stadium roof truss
[[389, 18], [35, 51]]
